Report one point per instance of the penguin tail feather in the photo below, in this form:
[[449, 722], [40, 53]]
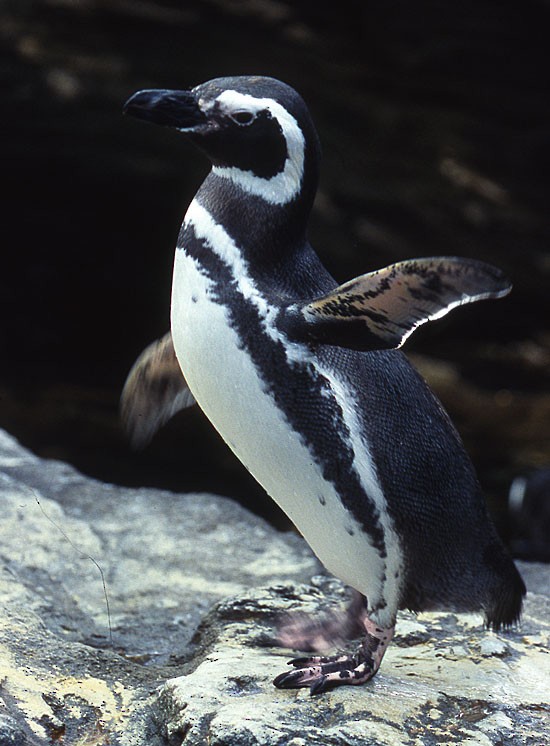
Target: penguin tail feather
[[505, 610]]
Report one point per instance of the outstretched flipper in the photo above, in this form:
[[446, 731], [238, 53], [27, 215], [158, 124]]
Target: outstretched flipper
[[155, 390], [379, 310]]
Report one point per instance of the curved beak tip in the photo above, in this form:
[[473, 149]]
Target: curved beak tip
[[170, 108], [142, 101]]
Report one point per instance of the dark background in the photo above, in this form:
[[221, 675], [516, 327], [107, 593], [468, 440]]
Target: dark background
[[434, 119]]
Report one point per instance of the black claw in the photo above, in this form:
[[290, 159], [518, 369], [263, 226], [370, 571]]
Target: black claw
[[318, 686], [279, 681], [287, 680], [299, 662]]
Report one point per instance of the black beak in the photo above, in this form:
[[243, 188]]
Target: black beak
[[171, 108]]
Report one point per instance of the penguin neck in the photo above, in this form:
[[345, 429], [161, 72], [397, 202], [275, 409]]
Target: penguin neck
[[267, 232]]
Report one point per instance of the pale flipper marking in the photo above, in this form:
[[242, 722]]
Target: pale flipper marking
[[379, 310]]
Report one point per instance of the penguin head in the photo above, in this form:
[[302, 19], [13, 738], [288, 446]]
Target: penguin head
[[256, 131]]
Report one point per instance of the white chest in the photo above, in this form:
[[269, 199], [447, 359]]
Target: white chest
[[234, 396]]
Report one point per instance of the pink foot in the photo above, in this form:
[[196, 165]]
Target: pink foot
[[323, 672]]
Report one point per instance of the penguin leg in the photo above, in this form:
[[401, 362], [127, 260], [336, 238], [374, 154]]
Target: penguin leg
[[324, 672]]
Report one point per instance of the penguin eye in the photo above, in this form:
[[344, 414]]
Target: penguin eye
[[243, 117]]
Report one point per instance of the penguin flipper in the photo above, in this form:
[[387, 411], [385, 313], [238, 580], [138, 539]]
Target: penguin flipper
[[154, 391], [301, 631], [379, 310]]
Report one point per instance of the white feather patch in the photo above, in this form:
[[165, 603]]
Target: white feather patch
[[284, 186]]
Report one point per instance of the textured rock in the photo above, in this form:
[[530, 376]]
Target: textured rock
[[444, 680], [165, 559], [195, 587]]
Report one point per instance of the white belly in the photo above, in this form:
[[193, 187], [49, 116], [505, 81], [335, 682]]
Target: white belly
[[229, 390]]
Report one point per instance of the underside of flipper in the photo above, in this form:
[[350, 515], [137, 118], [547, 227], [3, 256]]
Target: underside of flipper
[[379, 310], [155, 390]]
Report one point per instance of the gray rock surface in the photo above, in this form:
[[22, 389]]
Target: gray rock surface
[[194, 586], [444, 680], [165, 559]]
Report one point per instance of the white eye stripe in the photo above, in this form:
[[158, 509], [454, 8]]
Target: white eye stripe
[[229, 101], [284, 186]]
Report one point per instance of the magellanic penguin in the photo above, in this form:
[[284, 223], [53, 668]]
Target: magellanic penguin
[[303, 379]]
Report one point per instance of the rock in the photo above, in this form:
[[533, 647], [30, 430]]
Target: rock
[[529, 501], [443, 675], [491, 645], [164, 559], [11, 734], [195, 585]]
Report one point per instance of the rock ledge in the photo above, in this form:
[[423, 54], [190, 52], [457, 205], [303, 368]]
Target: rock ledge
[[195, 586]]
